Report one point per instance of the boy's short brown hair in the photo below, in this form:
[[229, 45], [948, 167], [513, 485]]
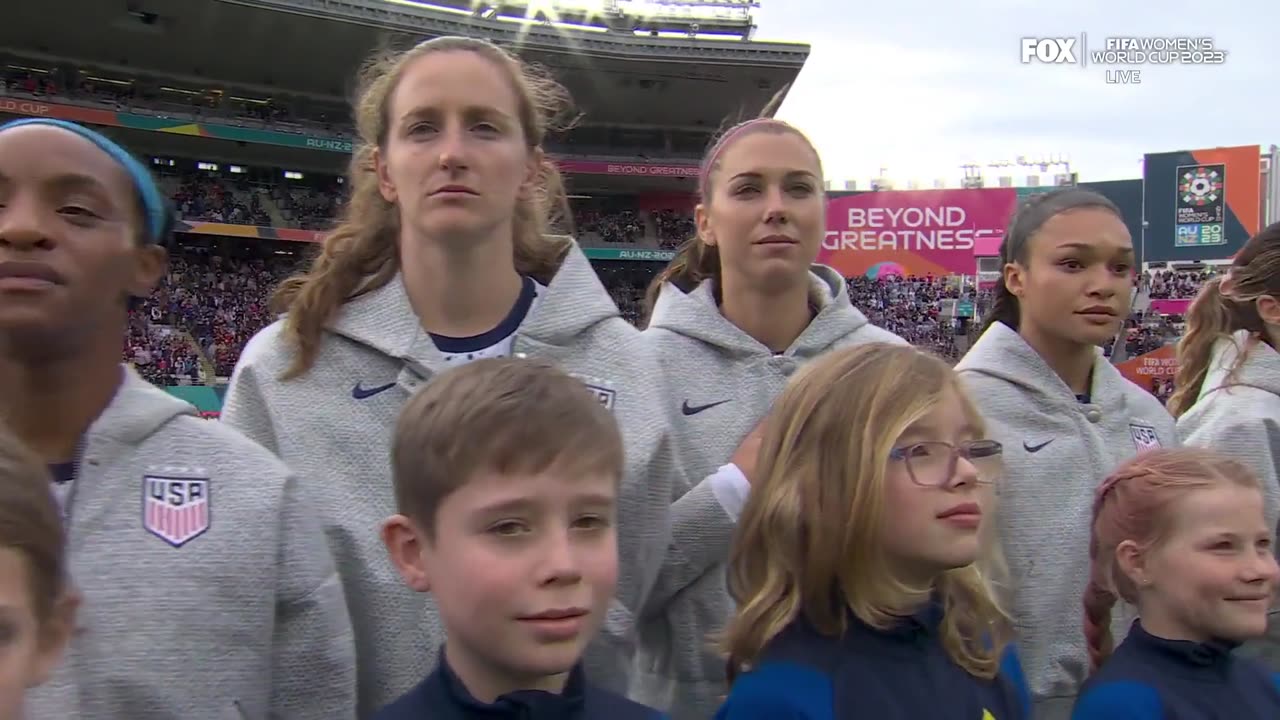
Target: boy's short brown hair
[[500, 415], [31, 523]]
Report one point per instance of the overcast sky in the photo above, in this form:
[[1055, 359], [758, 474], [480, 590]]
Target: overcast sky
[[923, 86]]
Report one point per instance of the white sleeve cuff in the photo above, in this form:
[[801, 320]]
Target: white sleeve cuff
[[730, 487]]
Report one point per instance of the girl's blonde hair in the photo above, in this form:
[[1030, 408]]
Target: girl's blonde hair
[[362, 253], [809, 542]]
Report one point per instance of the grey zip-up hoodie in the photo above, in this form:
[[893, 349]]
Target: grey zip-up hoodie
[[1057, 450], [1239, 416], [718, 383], [208, 591], [340, 444]]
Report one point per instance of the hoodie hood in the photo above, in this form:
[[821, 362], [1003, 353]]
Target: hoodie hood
[[695, 315], [1260, 367], [573, 303], [1002, 353], [137, 411]]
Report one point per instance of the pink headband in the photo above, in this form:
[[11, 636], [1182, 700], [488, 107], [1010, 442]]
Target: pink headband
[[718, 149]]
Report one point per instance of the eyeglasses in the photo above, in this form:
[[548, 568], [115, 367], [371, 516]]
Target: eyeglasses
[[933, 464]]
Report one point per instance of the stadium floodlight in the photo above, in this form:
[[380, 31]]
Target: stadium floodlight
[[734, 10], [556, 7]]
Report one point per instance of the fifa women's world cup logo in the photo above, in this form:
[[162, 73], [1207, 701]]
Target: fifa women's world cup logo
[[1201, 187], [1201, 207]]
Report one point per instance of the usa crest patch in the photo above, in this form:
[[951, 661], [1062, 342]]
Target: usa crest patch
[[175, 509], [1144, 437], [601, 389], [605, 395]]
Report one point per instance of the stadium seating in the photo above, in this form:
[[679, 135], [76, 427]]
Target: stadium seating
[[253, 200], [1176, 285], [215, 298], [212, 301], [166, 97], [911, 308]]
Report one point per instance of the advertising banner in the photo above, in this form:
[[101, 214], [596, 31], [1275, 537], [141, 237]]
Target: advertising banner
[[110, 118], [634, 169], [248, 231], [1171, 307], [1159, 363], [640, 254], [914, 232], [1201, 204], [313, 236]]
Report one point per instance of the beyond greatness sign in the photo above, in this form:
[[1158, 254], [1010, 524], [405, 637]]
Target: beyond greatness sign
[[638, 169], [913, 232]]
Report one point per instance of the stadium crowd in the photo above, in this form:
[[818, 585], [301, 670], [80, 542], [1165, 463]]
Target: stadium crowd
[[911, 308], [255, 199], [1175, 284], [215, 297]]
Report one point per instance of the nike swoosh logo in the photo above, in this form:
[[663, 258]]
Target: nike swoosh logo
[[362, 393], [688, 409], [1035, 448]]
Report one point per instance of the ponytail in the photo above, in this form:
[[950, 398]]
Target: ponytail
[[1208, 319], [1213, 315], [694, 262], [1004, 308], [1219, 312]]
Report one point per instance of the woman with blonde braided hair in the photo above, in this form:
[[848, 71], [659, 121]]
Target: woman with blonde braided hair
[[1181, 534]]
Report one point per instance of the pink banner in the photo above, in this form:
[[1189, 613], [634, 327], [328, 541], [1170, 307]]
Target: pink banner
[[988, 246], [914, 232], [638, 169], [1171, 307]]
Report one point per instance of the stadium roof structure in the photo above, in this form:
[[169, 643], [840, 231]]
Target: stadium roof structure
[[705, 17], [311, 48]]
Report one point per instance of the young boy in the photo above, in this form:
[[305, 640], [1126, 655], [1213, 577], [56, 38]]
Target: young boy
[[506, 477]]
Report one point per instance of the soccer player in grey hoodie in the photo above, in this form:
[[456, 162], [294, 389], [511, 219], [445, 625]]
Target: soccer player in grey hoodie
[[1228, 384], [208, 591], [737, 311], [443, 257], [1064, 414]]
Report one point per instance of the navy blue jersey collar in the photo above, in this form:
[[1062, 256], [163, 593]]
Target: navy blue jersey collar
[[521, 703], [907, 631], [503, 330], [1215, 653]]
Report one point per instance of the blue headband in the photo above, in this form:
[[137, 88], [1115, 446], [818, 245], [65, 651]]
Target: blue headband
[[153, 203]]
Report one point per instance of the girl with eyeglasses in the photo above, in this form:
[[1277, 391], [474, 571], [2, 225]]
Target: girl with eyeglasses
[[864, 562]]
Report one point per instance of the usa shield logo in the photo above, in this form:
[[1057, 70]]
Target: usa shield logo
[[602, 390], [175, 509], [605, 395], [1144, 437]]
